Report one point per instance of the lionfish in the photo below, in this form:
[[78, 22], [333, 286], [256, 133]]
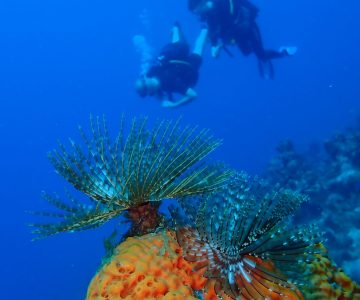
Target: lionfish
[[239, 236], [131, 174]]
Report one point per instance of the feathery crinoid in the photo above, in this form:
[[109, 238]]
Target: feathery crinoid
[[242, 240], [74, 216], [133, 172]]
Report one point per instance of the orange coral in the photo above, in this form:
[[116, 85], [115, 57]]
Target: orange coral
[[146, 268], [329, 282]]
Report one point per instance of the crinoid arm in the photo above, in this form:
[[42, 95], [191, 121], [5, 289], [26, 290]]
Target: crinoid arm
[[147, 165], [132, 173], [72, 216], [241, 239]]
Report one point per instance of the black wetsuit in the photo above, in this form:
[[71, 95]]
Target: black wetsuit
[[176, 68], [234, 21]]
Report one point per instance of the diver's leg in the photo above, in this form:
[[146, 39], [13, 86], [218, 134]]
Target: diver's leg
[[282, 52], [271, 54], [244, 46], [264, 57], [266, 69], [200, 42], [263, 54], [256, 42], [288, 50], [244, 38]]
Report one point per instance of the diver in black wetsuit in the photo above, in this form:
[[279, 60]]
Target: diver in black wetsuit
[[234, 22], [176, 70]]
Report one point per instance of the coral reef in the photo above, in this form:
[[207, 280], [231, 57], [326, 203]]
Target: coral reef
[[331, 177], [329, 282], [130, 173], [291, 170], [342, 194], [344, 160], [230, 236]]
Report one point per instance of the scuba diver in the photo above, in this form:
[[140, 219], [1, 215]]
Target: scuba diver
[[234, 22], [176, 70]]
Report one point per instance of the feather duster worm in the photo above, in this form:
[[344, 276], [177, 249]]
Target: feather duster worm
[[240, 239]]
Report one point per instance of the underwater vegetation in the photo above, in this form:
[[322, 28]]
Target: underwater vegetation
[[330, 174], [131, 174], [228, 236]]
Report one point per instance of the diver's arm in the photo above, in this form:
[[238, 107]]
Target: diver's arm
[[190, 95]]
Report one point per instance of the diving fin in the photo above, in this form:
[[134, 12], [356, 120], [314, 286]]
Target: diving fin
[[288, 51], [266, 69]]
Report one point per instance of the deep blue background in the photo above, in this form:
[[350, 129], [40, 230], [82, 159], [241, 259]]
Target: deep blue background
[[62, 60]]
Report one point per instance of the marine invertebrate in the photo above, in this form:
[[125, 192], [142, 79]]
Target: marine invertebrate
[[329, 172], [292, 170], [241, 240], [153, 266], [147, 267], [327, 281], [131, 173]]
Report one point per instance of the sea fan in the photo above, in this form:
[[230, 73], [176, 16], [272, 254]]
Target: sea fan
[[145, 167], [240, 238]]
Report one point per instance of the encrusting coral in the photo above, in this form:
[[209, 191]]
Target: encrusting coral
[[329, 172], [328, 282], [130, 173]]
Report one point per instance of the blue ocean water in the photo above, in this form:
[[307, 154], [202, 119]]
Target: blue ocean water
[[64, 60]]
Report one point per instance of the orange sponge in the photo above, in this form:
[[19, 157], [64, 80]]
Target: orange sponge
[[150, 267]]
